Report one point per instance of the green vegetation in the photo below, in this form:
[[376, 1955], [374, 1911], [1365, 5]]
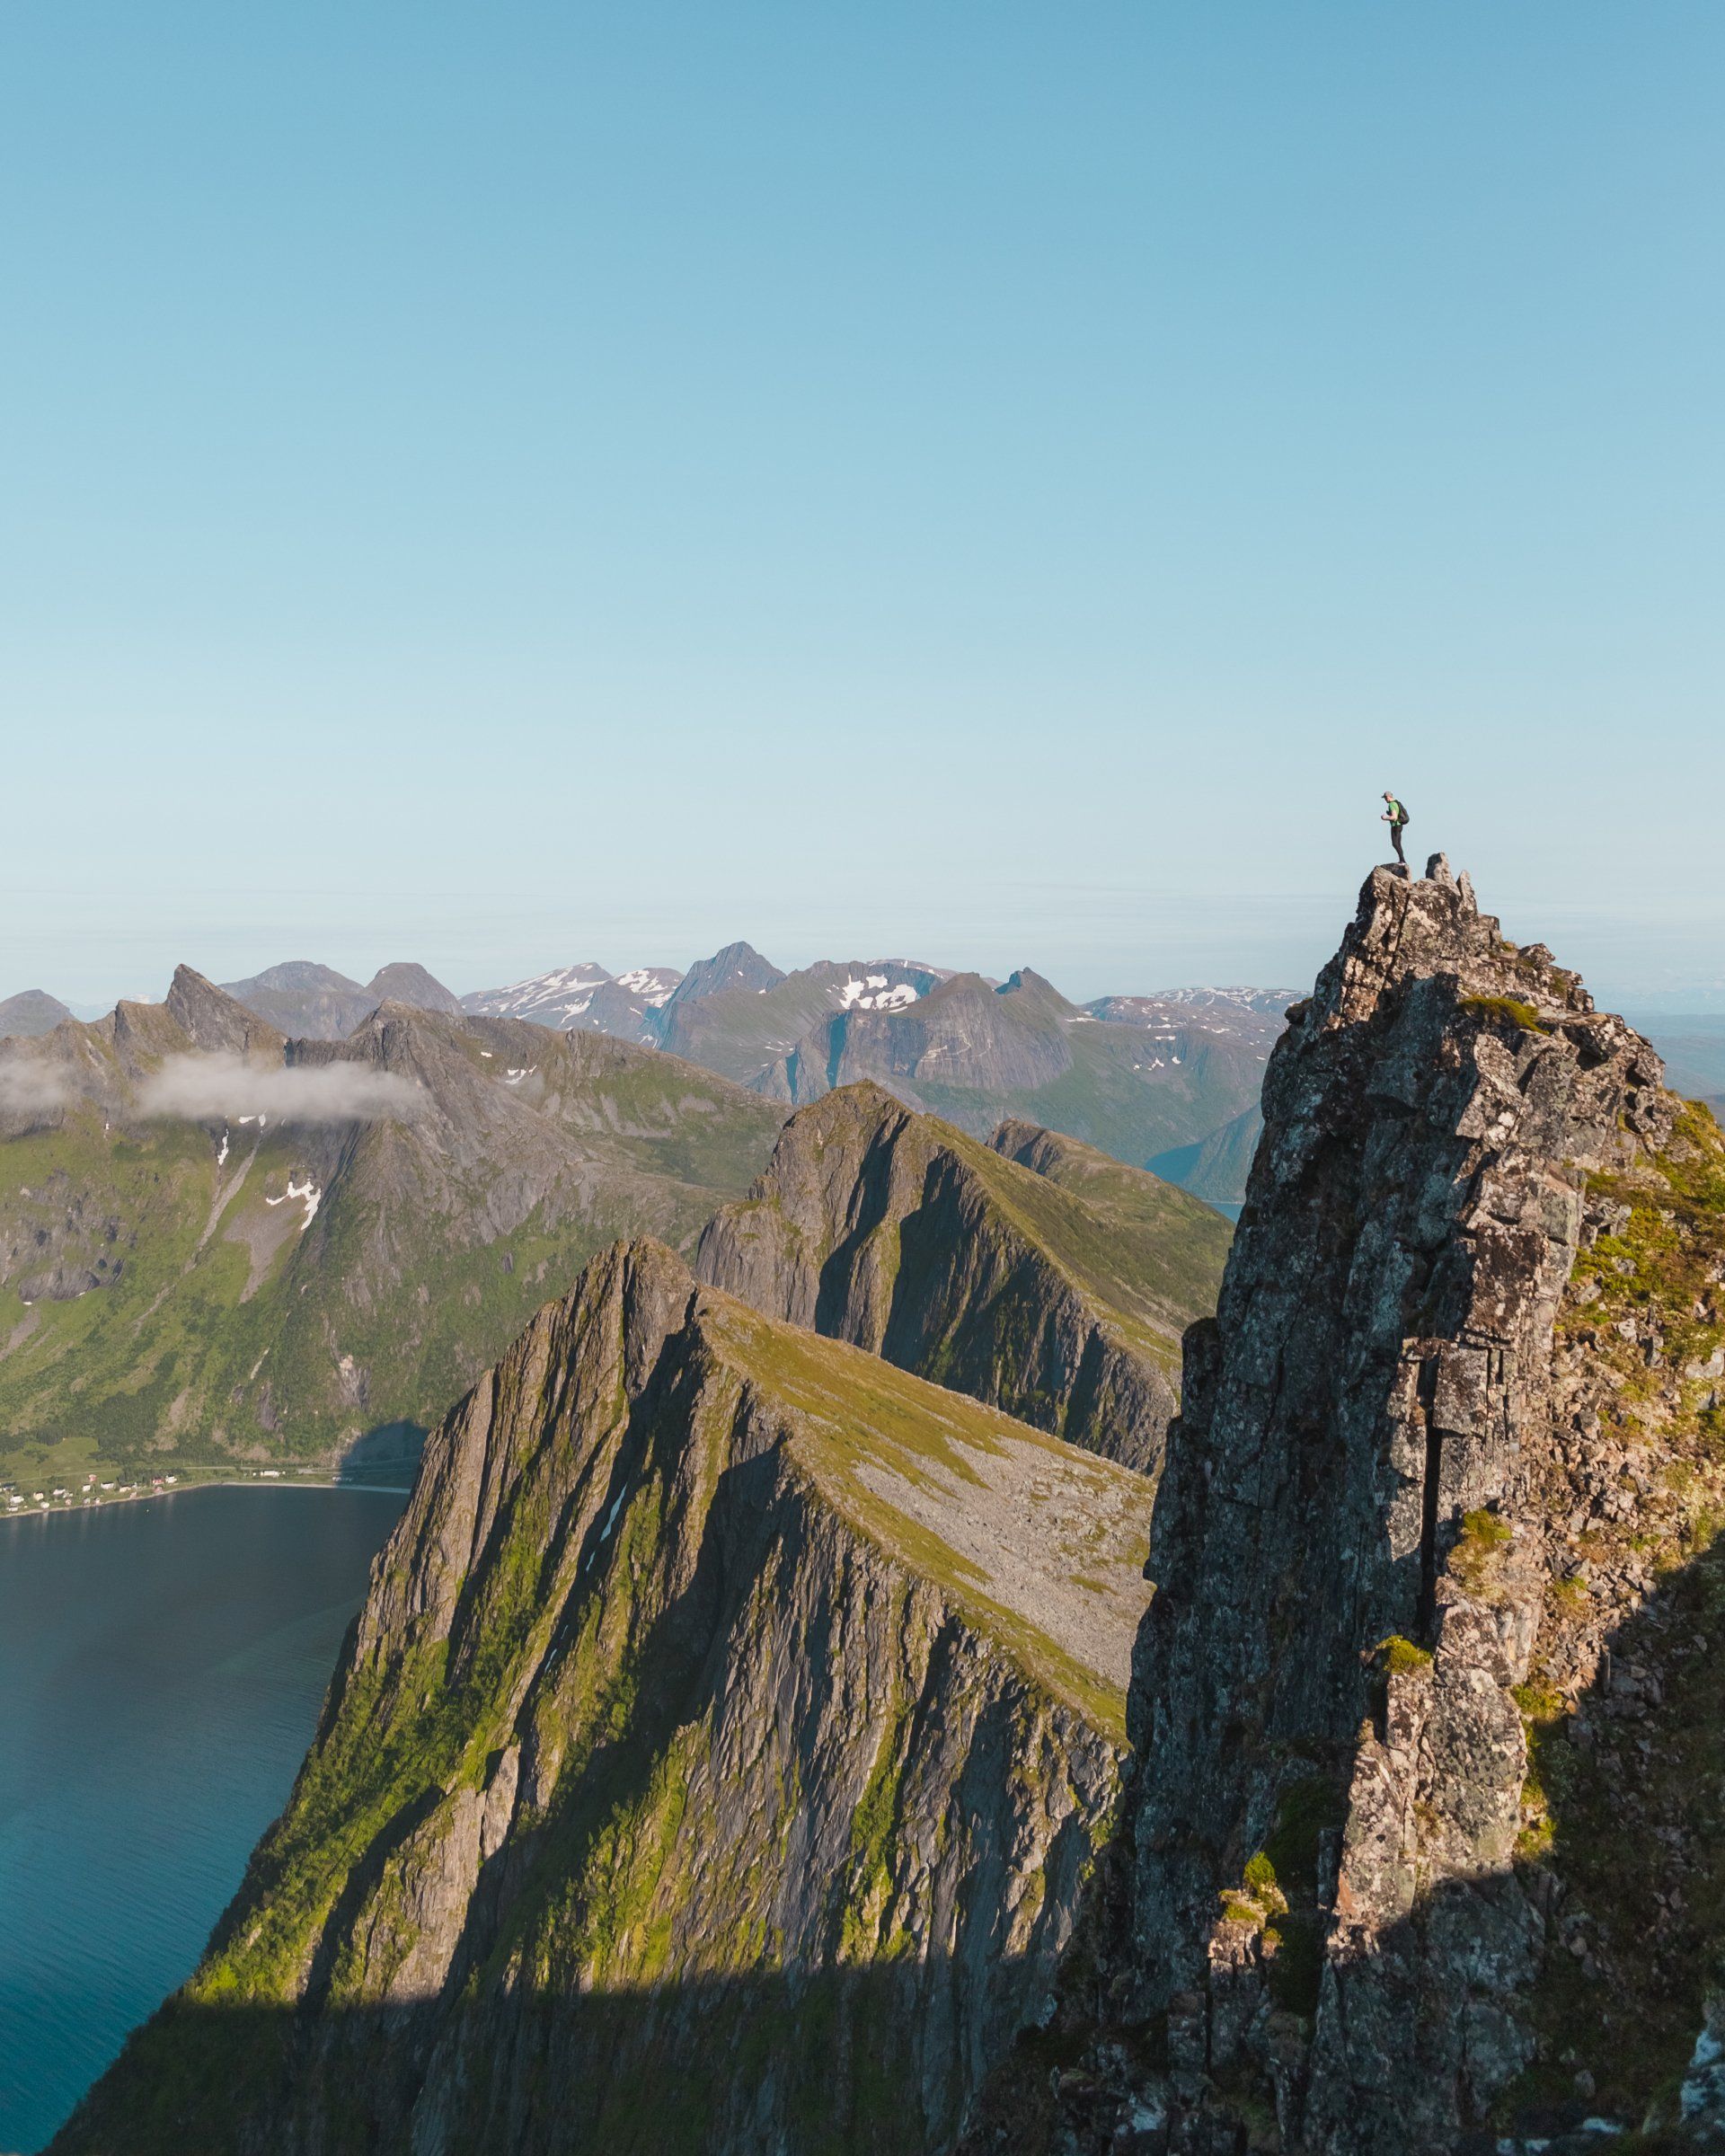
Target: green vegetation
[[221, 1328], [1475, 1561], [1400, 1657], [1506, 1010], [1309, 1807], [1659, 1270], [1150, 1254], [860, 1418], [1626, 1808], [651, 1575]]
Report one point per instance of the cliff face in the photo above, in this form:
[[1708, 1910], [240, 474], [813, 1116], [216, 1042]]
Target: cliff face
[[1053, 1282], [1414, 1494], [715, 1766]]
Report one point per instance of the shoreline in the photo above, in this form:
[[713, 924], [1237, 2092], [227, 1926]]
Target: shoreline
[[75, 1507]]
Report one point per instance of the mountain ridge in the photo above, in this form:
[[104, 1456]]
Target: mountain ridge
[[974, 1265], [636, 1776]]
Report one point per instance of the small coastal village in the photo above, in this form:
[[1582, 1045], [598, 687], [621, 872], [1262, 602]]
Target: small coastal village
[[94, 1490]]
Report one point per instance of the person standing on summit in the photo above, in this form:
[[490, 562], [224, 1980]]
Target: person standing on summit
[[1395, 815]]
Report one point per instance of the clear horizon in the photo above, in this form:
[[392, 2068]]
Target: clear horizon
[[1005, 490], [1172, 936]]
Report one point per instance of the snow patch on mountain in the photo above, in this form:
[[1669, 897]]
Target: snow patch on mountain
[[307, 1192], [874, 992], [651, 984]]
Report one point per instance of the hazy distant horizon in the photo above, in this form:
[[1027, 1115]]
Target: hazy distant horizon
[[497, 488], [1162, 949]]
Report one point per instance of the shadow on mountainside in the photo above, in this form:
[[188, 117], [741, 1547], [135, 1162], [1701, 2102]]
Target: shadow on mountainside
[[835, 2062], [387, 1452], [1615, 1905], [513, 2043], [1623, 1853]]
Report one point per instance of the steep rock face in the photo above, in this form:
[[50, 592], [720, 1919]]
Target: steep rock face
[[715, 1766], [212, 1019], [897, 1233], [1339, 1895], [306, 1000]]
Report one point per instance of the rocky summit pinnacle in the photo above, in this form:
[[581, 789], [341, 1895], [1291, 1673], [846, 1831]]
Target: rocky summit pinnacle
[[1344, 1913], [213, 1021]]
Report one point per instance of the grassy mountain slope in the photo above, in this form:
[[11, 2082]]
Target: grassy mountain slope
[[203, 1290], [714, 1767], [1055, 1284], [1217, 1168]]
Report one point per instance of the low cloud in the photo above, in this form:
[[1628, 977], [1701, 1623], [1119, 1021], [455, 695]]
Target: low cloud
[[30, 1089], [202, 1087]]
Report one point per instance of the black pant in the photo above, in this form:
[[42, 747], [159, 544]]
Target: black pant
[[1395, 840]]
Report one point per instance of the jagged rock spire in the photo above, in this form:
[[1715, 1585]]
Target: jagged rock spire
[[1313, 1895]]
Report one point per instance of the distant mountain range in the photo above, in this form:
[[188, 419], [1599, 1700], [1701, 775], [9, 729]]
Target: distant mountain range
[[1167, 1082], [314, 1002], [1157, 1081], [223, 1245]]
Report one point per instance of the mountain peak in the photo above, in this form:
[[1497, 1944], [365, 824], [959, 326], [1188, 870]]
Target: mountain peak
[[1036, 988], [403, 981], [295, 975], [1463, 1296], [32, 1013], [212, 1019], [736, 965], [831, 1595], [1004, 1279]]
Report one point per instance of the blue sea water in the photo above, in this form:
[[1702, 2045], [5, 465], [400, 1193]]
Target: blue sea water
[[161, 1664]]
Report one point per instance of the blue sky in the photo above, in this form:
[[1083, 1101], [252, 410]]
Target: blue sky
[[1005, 483]]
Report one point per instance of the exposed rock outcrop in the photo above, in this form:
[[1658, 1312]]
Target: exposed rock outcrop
[[713, 1766], [1341, 1899], [214, 1021], [1040, 1276]]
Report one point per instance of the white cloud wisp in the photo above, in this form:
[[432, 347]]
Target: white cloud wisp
[[200, 1087]]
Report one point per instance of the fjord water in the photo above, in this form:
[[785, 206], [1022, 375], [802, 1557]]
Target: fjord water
[[161, 1664]]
